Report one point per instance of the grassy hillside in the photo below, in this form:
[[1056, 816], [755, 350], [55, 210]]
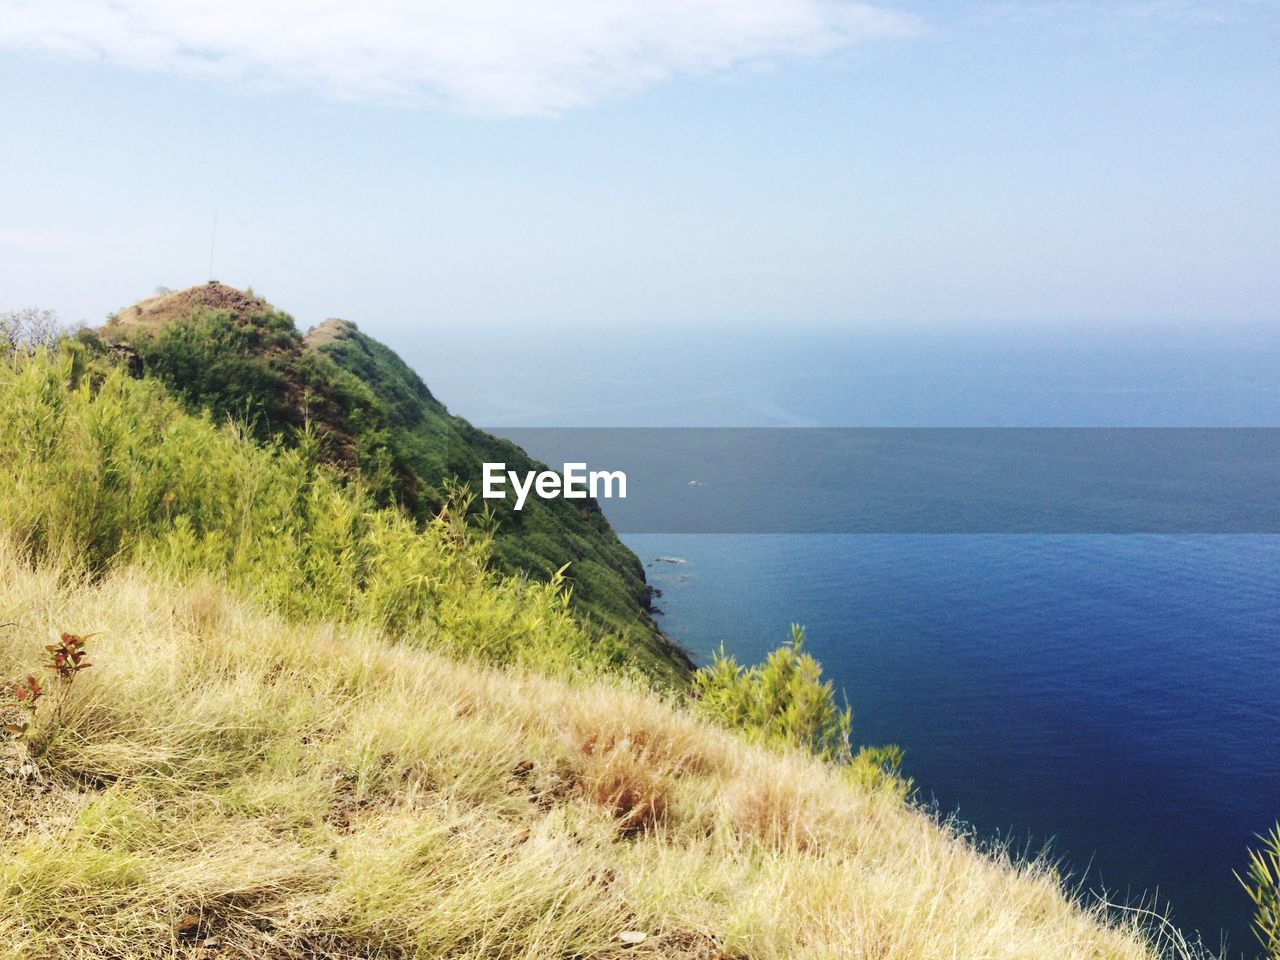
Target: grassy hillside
[[317, 728], [225, 783], [608, 579], [98, 470], [231, 353]]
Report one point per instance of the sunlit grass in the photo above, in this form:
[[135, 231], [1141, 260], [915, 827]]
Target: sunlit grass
[[228, 778], [317, 728]]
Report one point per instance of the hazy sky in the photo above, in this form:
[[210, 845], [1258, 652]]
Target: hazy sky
[[606, 163]]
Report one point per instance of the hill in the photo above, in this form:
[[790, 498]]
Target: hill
[[225, 783], [231, 353], [316, 727]]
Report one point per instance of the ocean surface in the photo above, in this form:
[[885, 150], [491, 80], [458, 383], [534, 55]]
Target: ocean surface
[[1116, 697], [1112, 698]]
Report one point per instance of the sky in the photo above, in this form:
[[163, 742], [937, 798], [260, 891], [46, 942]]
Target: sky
[[633, 165]]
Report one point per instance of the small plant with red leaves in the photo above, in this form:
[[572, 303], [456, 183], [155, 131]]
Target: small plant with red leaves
[[65, 659], [25, 695]]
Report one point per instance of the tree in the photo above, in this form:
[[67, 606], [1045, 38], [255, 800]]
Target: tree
[[28, 328]]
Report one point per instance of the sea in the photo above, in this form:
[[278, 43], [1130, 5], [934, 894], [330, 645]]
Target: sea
[[1111, 701]]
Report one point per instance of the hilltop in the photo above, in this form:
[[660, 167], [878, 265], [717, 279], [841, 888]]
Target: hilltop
[[232, 353], [151, 314]]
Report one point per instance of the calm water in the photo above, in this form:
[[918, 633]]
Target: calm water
[[1116, 695]]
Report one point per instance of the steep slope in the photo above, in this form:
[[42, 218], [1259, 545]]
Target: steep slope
[[235, 355], [223, 784], [317, 728], [608, 579]]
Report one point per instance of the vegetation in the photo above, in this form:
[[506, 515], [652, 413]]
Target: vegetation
[[785, 703], [1262, 882], [365, 411], [319, 726], [106, 470], [241, 368], [100, 470], [28, 328], [230, 783], [65, 659], [782, 701], [608, 580]]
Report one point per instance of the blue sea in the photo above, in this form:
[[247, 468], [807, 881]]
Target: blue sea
[[1114, 699], [1115, 696]]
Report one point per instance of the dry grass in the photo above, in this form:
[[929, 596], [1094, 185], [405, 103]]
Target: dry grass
[[151, 314], [228, 785], [326, 332]]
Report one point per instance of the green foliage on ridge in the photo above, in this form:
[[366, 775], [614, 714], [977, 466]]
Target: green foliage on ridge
[[366, 411], [427, 441], [99, 469]]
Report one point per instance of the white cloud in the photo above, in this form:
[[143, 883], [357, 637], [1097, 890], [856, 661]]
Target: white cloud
[[490, 56]]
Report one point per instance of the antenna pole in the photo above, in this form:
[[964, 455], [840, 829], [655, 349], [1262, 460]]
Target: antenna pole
[[213, 238]]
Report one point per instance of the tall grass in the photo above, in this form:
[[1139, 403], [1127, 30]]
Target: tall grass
[[228, 783], [98, 469], [1262, 883]]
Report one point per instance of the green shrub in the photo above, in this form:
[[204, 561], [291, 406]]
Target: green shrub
[[880, 768], [238, 368], [782, 702], [785, 703]]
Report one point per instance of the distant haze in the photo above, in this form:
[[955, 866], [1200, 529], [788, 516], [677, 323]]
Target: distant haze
[[617, 165]]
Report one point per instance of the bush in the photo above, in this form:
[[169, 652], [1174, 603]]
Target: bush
[[880, 767], [785, 703], [782, 702], [237, 368], [66, 660]]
